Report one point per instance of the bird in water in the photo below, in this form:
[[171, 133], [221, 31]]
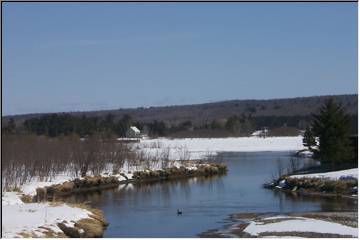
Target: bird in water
[[179, 212]]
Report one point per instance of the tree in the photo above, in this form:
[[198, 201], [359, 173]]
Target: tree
[[309, 139], [332, 127], [233, 124]]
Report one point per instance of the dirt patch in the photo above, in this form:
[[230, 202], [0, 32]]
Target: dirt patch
[[239, 230], [244, 216]]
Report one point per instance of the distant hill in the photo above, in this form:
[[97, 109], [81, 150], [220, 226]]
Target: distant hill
[[202, 113]]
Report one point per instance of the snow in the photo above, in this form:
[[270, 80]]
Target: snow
[[199, 148], [29, 217], [306, 153], [135, 129], [331, 175], [276, 217], [300, 224], [29, 188], [180, 149], [10, 198]]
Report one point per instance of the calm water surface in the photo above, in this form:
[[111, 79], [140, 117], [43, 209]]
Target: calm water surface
[[149, 210]]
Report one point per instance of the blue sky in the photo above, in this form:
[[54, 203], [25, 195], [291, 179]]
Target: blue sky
[[70, 57]]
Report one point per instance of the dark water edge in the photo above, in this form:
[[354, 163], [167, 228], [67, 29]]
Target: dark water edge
[[149, 209]]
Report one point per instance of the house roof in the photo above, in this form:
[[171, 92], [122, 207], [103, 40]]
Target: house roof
[[135, 129]]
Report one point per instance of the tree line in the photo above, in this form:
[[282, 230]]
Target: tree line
[[54, 125]]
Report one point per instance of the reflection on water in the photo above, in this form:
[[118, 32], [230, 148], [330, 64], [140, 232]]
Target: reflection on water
[[327, 204], [149, 209]]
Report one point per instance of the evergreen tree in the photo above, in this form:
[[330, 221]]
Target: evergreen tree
[[332, 126], [309, 139]]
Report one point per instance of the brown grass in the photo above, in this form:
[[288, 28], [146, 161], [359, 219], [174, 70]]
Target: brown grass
[[26, 198], [323, 185], [92, 227]]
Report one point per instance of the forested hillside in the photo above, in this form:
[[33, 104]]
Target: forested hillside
[[236, 117]]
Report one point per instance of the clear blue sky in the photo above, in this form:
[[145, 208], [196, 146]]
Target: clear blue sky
[[69, 56]]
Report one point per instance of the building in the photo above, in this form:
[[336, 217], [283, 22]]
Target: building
[[133, 132]]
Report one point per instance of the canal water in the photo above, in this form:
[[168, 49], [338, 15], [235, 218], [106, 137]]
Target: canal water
[[150, 210]]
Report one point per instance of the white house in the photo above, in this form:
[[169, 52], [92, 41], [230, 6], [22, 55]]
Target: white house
[[133, 132]]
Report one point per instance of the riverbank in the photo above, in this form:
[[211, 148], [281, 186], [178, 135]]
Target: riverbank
[[342, 183], [59, 219], [49, 219], [307, 225]]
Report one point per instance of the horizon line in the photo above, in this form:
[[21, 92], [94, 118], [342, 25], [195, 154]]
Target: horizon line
[[174, 105]]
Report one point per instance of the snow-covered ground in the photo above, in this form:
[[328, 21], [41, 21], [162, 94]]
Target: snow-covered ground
[[18, 217], [181, 149], [298, 224], [29, 188], [199, 148], [331, 175]]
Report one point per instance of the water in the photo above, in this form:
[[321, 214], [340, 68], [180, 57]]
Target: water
[[149, 210]]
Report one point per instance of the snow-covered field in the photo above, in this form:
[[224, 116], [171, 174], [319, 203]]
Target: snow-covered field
[[298, 224], [199, 148], [19, 217], [354, 172]]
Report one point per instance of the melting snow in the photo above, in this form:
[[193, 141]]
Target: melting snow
[[301, 225], [331, 175]]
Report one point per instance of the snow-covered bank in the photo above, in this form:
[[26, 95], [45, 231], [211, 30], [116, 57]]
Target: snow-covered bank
[[336, 175], [179, 149], [36, 219], [288, 224], [198, 148], [342, 183], [298, 225]]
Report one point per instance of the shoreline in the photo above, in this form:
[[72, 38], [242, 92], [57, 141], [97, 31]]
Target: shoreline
[[249, 225], [343, 184], [94, 224]]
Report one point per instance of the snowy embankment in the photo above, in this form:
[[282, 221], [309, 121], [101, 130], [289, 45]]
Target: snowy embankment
[[199, 148], [271, 226], [36, 219], [336, 175], [182, 149]]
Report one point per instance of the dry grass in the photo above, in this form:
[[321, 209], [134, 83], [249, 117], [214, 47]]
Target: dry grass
[[44, 233], [49, 233], [92, 227], [77, 185], [26, 198], [175, 172], [323, 185]]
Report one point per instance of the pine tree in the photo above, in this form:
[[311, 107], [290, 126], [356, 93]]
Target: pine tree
[[332, 126], [309, 139]]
